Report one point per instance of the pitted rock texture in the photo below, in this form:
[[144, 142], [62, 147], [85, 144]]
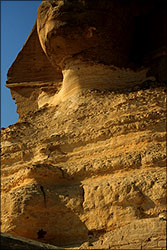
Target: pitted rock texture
[[85, 165], [87, 169]]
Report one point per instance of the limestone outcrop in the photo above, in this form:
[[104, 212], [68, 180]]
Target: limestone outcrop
[[85, 165]]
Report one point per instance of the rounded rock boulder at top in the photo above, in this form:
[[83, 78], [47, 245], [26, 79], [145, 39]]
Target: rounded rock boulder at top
[[87, 40]]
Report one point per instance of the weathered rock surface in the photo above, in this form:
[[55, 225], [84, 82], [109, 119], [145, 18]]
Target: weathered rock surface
[[85, 165], [91, 165]]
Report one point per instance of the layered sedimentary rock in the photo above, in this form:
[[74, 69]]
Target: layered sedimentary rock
[[85, 165]]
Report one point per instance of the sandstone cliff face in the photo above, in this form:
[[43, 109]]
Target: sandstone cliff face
[[85, 164], [92, 166]]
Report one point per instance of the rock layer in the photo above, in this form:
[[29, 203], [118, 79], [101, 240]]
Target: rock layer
[[89, 166], [85, 164]]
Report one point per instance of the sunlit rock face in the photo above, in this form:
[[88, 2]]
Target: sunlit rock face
[[85, 165]]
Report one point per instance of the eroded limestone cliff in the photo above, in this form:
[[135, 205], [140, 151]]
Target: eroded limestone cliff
[[85, 165]]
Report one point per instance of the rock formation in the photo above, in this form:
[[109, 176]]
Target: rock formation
[[10, 242], [84, 166]]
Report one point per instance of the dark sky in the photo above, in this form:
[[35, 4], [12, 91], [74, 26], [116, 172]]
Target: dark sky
[[17, 21]]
